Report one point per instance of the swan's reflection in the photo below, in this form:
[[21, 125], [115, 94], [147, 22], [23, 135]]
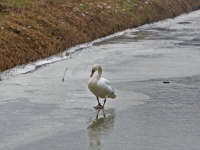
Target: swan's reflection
[[103, 123]]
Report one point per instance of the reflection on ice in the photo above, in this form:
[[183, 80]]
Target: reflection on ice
[[103, 123]]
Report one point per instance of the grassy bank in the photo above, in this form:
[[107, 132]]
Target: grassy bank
[[32, 30]]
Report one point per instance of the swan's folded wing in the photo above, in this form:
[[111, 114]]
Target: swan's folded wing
[[107, 84]]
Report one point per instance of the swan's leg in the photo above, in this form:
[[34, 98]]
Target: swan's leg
[[98, 101], [104, 102], [99, 106]]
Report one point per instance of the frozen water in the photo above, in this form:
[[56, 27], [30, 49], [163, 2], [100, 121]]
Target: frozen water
[[155, 71]]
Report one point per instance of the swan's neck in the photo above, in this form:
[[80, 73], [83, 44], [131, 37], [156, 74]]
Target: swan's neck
[[99, 72]]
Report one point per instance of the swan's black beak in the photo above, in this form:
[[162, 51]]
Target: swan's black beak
[[92, 73]]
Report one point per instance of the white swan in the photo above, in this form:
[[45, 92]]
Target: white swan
[[100, 87]]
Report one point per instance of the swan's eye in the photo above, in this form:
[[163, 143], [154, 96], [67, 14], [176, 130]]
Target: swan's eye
[[93, 70]]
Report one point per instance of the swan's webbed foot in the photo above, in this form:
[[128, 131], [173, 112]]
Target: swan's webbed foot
[[99, 106]]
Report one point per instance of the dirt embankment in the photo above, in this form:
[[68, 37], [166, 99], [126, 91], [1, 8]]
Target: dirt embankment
[[32, 30]]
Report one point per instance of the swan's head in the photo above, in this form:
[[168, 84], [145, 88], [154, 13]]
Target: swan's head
[[94, 68]]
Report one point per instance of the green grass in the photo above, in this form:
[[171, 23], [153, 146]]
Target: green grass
[[16, 3], [127, 8], [84, 6]]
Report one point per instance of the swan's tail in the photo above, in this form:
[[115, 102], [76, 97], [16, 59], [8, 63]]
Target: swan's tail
[[114, 96]]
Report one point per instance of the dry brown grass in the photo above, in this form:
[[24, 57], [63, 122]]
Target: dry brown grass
[[32, 30]]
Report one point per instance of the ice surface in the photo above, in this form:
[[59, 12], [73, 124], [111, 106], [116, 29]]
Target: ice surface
[[39, 111]]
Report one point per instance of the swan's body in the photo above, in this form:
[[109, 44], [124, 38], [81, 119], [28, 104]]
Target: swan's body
[[100, 87]]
